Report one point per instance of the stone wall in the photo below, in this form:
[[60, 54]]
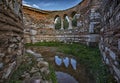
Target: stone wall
[[11, 37], [43, 21], [110, 36]]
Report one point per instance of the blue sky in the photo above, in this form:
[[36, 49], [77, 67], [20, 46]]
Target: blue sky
[[51, 4]]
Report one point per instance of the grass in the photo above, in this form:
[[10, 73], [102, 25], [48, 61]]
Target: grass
[[52, 74], [27, 66], [53, 44], [88, 56]]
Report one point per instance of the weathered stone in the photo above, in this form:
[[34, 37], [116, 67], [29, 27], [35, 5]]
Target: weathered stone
[[119, 44], [107, 61], [45, 70], [18, 38], [42, 64], [14, 39], [46, 81], [113, 55], [34, 54], [7, 59], [2, 54], [12, 45], [9, 70], [25, 75], [16, 7], [117, 71], [9, 50], [37, 74], [40, 59], [46, 27], [116, 63], [33, 70], [11, 28], [19, 52], [0, 1], [110, 36], [1, 65], [11, 23], [33, 32]]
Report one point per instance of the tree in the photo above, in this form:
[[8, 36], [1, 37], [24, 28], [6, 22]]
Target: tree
[[65, 24], [58, 24], [74, 22]]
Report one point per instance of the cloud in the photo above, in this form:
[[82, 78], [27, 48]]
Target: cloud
[[26, 3], [30, 5], [36, 6]]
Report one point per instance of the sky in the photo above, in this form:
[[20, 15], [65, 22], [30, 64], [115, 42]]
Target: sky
[[51, 4]]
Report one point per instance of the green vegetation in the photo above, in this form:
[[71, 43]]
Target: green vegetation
[[58, 24], [52, 74], [28, 62], [25, 66], [65, 24], [53, 44], [74, 22], [88, 56]]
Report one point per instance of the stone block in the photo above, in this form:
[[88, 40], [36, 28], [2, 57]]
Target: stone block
[[117, 71], [11, 28], [119, 44], [1, 65], [33, 32], [2, 55], [113, 55], [9, 70], [42, 64], [0, 1], [16, 7], [107, 61]]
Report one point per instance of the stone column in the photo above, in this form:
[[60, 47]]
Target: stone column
[[32, 35], [62, 24], [70, 23], [11, 37], [79, 22], [91, 27]]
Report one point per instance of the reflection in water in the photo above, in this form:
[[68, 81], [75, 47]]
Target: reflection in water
[[66, 62], [58, 60], [65, 78], [73, 63]]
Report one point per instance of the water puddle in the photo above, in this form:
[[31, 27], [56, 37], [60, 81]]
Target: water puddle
[[68, 68], [65, 78], [73, 63], [66, 61]]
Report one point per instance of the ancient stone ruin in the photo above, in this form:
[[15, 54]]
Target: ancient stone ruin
[[11, 37], [40, 24], [98, 23]]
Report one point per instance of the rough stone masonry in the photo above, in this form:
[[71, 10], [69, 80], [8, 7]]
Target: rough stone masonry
[[110, 36], [11, 37]]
